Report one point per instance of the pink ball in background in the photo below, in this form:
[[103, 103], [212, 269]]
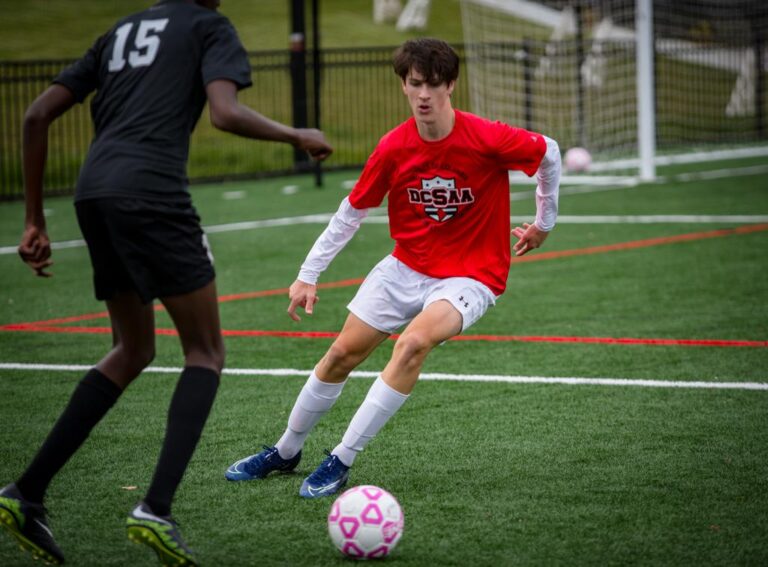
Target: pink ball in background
[[577, 160]]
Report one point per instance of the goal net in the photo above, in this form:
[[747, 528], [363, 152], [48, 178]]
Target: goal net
[[633, 81]]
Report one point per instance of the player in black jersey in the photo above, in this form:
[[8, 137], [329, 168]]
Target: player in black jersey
[[152, 73]]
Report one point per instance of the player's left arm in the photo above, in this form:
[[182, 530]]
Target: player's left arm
[[35, 246], [229, 115], [531, 236]]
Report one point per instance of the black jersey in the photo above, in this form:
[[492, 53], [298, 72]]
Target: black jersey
[[150, 72]]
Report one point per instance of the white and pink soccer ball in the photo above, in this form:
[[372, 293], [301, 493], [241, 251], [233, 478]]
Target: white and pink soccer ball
[[366, 522], [577, 160]]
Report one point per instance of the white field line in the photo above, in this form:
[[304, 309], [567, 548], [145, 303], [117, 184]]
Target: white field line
[[378, 216], [720, 173], [695, 384], [381, 218], [323, 219], [54, 246], [685, 158], [606, 183], [651, 219]]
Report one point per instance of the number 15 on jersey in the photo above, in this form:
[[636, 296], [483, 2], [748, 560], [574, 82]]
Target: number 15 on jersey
[[146, 43]]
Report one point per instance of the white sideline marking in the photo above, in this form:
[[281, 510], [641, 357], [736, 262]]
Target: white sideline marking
[[54, 246], [433, 376], [606, 182], [380, 217], [690, 157], [650, 219], [720, 173]]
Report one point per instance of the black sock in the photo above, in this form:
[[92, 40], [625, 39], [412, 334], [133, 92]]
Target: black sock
[[189, 409], [91, 400]]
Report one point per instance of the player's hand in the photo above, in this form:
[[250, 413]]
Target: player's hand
[[314, 143], [528, 238], [302, 295], [35, 250]]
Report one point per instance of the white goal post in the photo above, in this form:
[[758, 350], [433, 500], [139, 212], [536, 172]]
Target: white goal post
[[645, 87], [626, 79]]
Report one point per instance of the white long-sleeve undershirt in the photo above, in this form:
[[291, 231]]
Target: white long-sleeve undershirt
[[548, 187], [340, 230]]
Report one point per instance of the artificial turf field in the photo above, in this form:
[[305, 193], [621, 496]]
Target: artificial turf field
[[493, 472]]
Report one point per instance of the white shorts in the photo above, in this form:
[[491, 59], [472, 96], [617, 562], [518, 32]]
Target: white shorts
[[393, 294]]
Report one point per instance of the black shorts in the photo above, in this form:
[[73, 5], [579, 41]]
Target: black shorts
[[154, 248]]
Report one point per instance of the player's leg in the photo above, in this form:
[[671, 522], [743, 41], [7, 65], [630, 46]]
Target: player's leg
[[391, 296], [133, 347], [323, 387], [451, 306], [21, 510], [356, 341], [374, 316], [133, 332], [133, 338], [196, 317], [354, 344], [167, 252], [435, 324]]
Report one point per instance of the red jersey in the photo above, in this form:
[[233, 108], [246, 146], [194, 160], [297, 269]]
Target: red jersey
[[449, 200]]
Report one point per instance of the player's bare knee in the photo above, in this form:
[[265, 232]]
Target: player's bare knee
[[340, 359], [135, 357], [413, 346], [210, 356]]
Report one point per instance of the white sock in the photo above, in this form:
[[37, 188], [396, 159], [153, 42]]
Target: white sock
[[379, 405], [314, 401]]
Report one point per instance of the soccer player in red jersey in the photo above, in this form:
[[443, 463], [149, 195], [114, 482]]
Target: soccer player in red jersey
[[446, 175]]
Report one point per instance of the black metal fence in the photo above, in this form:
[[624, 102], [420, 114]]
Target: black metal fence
[[359, 99]]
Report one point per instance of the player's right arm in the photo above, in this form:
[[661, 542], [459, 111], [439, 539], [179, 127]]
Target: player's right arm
[[35, 246], [340, 230], [369, 191]]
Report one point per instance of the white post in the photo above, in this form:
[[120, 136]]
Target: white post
[[646, 112]]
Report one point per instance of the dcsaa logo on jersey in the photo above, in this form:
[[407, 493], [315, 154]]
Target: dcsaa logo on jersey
[[440, 197]]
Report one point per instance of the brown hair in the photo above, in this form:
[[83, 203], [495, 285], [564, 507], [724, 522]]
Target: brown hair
[[432, 58]]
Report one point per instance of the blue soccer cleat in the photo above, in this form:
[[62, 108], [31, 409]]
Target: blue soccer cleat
[[328, 478], [261, 464]]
